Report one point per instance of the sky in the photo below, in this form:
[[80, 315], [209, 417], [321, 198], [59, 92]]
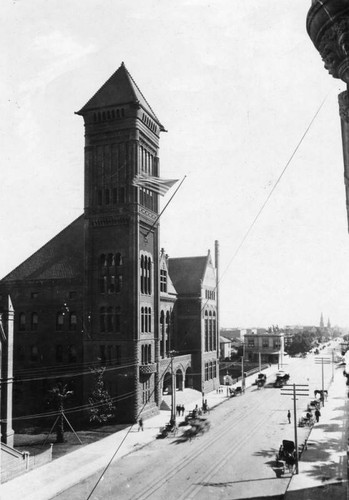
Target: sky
[[236, 85]]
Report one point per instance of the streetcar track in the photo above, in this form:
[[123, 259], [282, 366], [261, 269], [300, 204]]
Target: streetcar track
[[191, 492], [184, 461]]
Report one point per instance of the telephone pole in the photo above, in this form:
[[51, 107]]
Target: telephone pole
[[295, 390], [322, 361]]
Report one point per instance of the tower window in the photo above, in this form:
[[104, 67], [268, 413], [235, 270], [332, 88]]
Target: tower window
[[107, 197]]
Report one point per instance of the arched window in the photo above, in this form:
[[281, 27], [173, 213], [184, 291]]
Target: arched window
[[214, 332], [117, 320], [142, 356], [142, 274], [149, 276], [34, 321], [167, 332], [162, 334], [149, 354], [110, 320], [72, 356], [34, 353], [102, 322], [142, 319], [210, 346], [22, 322], [149, 319], [59, 321], [73, 320], [206, 331]]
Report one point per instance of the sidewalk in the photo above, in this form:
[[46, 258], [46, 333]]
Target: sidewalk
[[323, 470]]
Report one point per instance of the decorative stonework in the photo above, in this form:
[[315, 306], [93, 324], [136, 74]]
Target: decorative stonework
[[110, 221], [147, 369], [334, 49], [343, 101]]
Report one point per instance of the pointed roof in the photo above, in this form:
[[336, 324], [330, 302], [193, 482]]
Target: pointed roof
[[61, 257], [187, 273], [119, 89]]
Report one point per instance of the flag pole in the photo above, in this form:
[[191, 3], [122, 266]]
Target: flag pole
[[163, 210]]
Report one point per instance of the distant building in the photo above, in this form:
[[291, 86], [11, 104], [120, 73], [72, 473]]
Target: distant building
[[268, 346], [224, 347]]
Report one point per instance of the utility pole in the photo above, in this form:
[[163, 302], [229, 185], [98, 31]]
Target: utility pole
[[260, 361], [322, 361], [173, 392], [242, 368], [295, 390]]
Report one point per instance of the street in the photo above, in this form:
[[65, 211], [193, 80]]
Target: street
[[234, 459]]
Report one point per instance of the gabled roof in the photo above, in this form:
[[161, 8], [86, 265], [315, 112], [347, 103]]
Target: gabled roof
[[163, 265], [119, 89], [187, 273], [61, 257]]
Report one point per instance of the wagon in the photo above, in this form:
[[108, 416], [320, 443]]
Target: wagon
[[169, 429], [197, 426], [287, 453]]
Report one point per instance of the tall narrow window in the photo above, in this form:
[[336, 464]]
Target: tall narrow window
[[72, 356], [142, 274], [59, 353], [73, 320], [34, 321], [59, 321], [102, 322], [206, 331], [102, 354], [22, 322], [34, 353], [117, 319], [142, 319], [110, 320]]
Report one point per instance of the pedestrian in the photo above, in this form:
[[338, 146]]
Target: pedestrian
[[183, 410], [289, 416], [178, 410], [317, 414], [140, 424]]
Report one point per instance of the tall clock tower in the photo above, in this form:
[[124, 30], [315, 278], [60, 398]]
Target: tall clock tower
[[121, 292]]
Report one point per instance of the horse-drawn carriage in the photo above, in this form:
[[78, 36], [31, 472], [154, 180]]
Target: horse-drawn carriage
[[169, 429], [198, 426], [261, 380], [281, 379], [287, 454]]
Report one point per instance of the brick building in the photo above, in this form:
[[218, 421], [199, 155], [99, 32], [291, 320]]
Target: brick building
[[101, 292]]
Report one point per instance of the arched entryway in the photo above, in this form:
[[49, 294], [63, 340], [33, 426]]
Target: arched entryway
[[179, 380], [167, 385], [189, 378]]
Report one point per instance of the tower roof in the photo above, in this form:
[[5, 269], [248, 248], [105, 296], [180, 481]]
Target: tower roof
[[119, 89]]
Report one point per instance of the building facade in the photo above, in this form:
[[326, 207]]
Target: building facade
[[267, 347], [101, 293]]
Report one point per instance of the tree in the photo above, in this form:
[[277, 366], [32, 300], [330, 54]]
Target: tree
[[101, 405], [59, 394]]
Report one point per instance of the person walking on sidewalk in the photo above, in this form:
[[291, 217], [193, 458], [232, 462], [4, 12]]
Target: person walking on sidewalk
[[317, 414], [140, 424], [289, 416]]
